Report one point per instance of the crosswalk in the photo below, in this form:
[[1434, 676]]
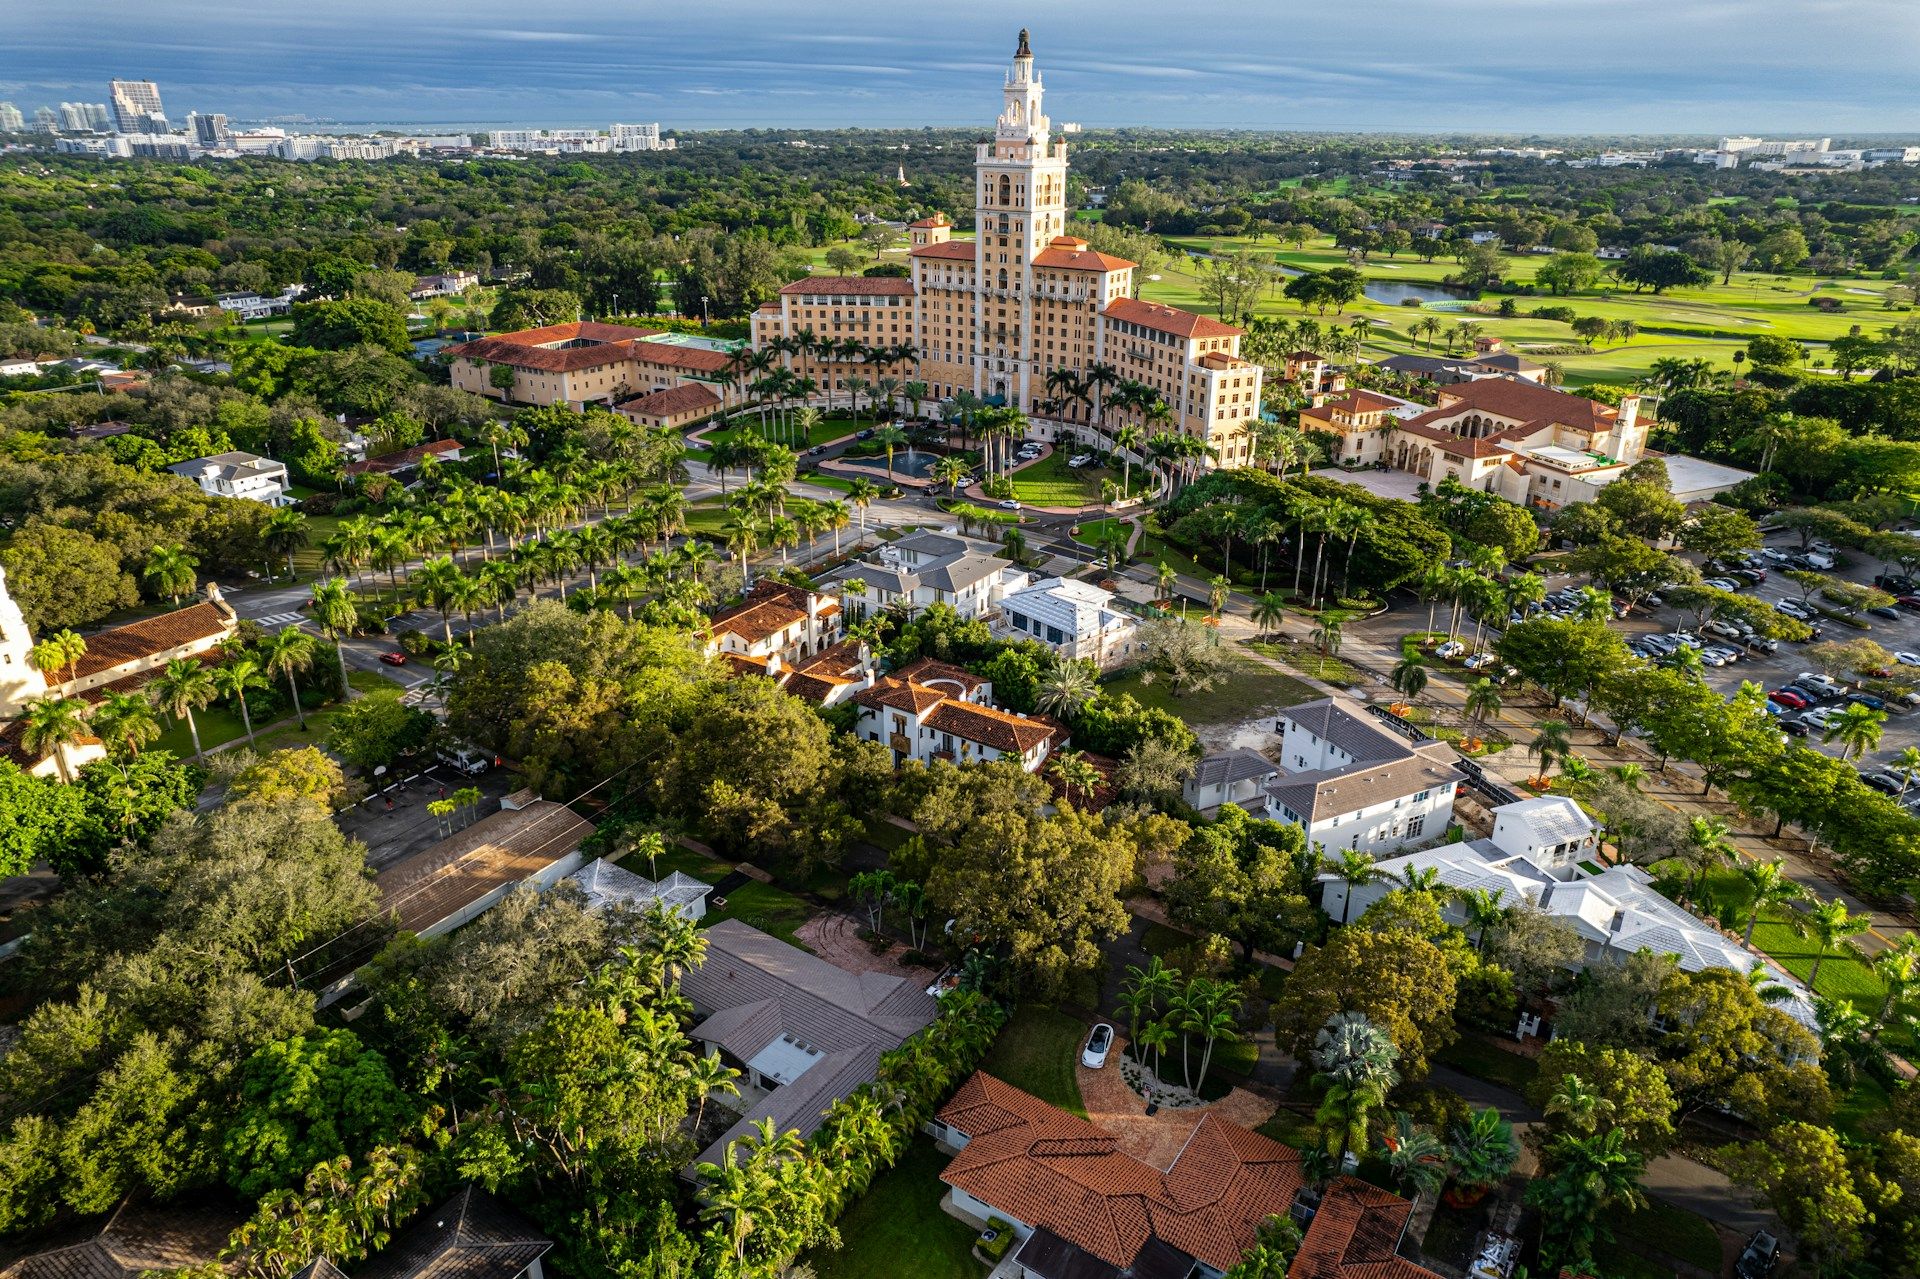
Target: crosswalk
[[277, 621]]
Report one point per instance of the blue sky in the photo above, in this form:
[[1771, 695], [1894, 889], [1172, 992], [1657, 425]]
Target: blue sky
[[1835, 66]]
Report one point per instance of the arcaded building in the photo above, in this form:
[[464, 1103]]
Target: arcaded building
[[996, 314]]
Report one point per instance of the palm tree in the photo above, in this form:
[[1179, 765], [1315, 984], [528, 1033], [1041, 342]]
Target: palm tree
[[1552, 741], [1898, 970], [1483, 910], [234, 679], [1482, 1150], [127, 719], [892, 437], [1129, 440], [1329, 631], [1269, 612], [1064, 688], [1579, 1105], [52, 724], [1857, 728], [1832, 928], [1074, 773], [337, 616], [1355, 869], [1710, 844], [1590, 1177], [1218, 591], [1409, 677], [1483, 701], [288, 652], [284, 533], [170, 569], [182, 688], [60, 651], [951, 470], [1416, 1159], [707, 1074]]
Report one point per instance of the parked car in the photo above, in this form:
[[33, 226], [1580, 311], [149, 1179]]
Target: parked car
[[1819, 560], [1776, 555], [463, 759], [865, 435], [1905, 658], [1762, 644], [1754, 575], [395, 658], [1727, 656], [1887, 611], [1079, 460], [1794, 727], [1867, 700], [1450, 650], [1660, 644], [1898, 583], [1819, 717], [1009, 505], [1094, 1055], [1685, 639], [1831, 686], [1792, 699], [1711, 656], [1885, 783], [1724, 583], [1480, 661], [1795, 609], [1909, 602], [1726, 630], [1758, 1258]]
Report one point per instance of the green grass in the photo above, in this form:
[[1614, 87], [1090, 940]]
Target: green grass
[[708, 520], [1249, 688], [774, 911], [1292, 1128], [1307, 661], [1708, 322], [219, 726], [900, 1218], [823, 432], [307, 560], [1091, 531], [1842, 976], [1051, 482], [1036, 1052], [1154, 551], [1475, 1056]]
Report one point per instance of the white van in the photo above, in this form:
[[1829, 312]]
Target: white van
[[464, 759]]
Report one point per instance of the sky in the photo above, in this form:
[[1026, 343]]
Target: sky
[[1827, 67]]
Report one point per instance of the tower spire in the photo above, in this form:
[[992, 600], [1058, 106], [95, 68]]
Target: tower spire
[[1025, 50]]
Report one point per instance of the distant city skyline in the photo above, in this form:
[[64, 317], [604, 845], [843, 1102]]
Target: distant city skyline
[[1517, 66]]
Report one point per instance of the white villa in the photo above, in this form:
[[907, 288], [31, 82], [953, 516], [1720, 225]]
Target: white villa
[[243, 475], [931, 711], [923, 569], [1075, 619], [1535, 856], [1358, 782]]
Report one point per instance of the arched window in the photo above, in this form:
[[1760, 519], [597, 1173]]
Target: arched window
[[1006, 189], [1003, 277]]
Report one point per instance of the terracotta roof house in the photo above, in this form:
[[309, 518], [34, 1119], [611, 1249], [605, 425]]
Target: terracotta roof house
[[1364, 421], [931, 711], [135, 1239], [1081, 1208], [581, 364], [673, 408], [1158, 318], [406, 459], [471, 1236], [803, 1032], [776, 618], [827, 678], [1356, 781]]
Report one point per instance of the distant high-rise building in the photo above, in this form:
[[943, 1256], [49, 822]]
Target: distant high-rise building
[[45, 121], [136, 106], [11, 121], [638, 137], [210, 130], [74, 118], [98, 118]]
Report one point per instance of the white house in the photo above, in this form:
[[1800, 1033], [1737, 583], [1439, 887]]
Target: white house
[[1230, 777], [923, 569], [931, 711], [1075, 619], [1360, 782], [1534, 857], [776, 620], [242, 475]]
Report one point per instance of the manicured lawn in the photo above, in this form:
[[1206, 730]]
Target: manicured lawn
[[1036, 1052], [897, 1227], [1308, 661], [1842, 976], [1154, 551], [219, 726], [1292, 1128], [1249, 688], [708, 520], [1475, 1056], [774, 911], [1051, 482], [307, 560], [1091, 531], [788, 434]]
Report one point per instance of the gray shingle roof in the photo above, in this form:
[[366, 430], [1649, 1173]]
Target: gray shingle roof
[[1227, 767], [470, 1236], [135, 1239], [1347, 725]]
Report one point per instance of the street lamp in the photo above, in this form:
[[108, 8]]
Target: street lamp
[[703, 310]]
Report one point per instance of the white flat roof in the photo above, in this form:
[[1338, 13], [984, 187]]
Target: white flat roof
[[1696, 477]]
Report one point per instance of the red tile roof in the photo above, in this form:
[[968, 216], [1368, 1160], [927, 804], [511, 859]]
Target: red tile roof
[[1056, 1171], [990, 726], [387, 463], [152, 636], [851, 286], [768, 608], [938, 219], [1521, 401], [531, 349], [689, 397], [1168, 319], [901, 696], [952, 249], [1069, 254], [697, 359]]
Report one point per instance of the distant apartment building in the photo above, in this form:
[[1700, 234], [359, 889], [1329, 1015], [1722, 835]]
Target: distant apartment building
[[210, 130], [84, 117], [137, 108], [11, 121], [639, 137], [111, 148], [45, 121]]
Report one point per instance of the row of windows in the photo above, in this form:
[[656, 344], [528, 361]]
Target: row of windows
[[1034, 627]]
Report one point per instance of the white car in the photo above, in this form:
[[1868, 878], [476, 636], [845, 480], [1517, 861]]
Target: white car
[[1080, 459], [1094, 1055], [1685, 639], [1450, 649], [1480, 661], [1906, 659], [1792, 609], [1009, 505], [1820, 716], [1723, 583], [1777, 555]]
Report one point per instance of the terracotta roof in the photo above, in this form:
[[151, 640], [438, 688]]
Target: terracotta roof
[[688, 397], [1168, 319], [1067, 253], [1522, 401], [952, 249], [900, 695], [928, 671], [387, 463], [674, 356], [768, 607], [1358, 402], [1454, 445], [1355, 1235], [1221, 360], [851, 286], [938, 219], [1047, 1168], [990, 726], [592, 330], [152, 636], [607, 344]]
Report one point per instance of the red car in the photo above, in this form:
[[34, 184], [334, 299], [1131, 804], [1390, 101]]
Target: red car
[[394, 659], [1908, 601], [1788, 698]]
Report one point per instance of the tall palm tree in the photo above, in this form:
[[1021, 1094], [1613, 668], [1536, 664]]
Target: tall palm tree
[[1832, 928], [891, 437], [1409, 677], [52, 724], [1483, 701], [1710, 841], [1064, 688], [1484, 910], [182, 688], [171, 570], [233, 681], [1269, 612], [337, 616], [60, 651], [1857, 728], [1552, 741], [127, 720], [1355, 869], [288, 652], [284, 533]]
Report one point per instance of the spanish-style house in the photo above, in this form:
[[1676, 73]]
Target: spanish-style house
[[776, 619], [1363, 420], [1080, 1206], [930, 711], [1077, 620], [802, 1032], [1356, 781]]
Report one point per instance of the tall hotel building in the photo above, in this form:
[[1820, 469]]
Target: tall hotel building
[[995, 314]]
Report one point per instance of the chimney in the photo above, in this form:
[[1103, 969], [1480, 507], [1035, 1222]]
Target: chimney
[[773, 665]]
